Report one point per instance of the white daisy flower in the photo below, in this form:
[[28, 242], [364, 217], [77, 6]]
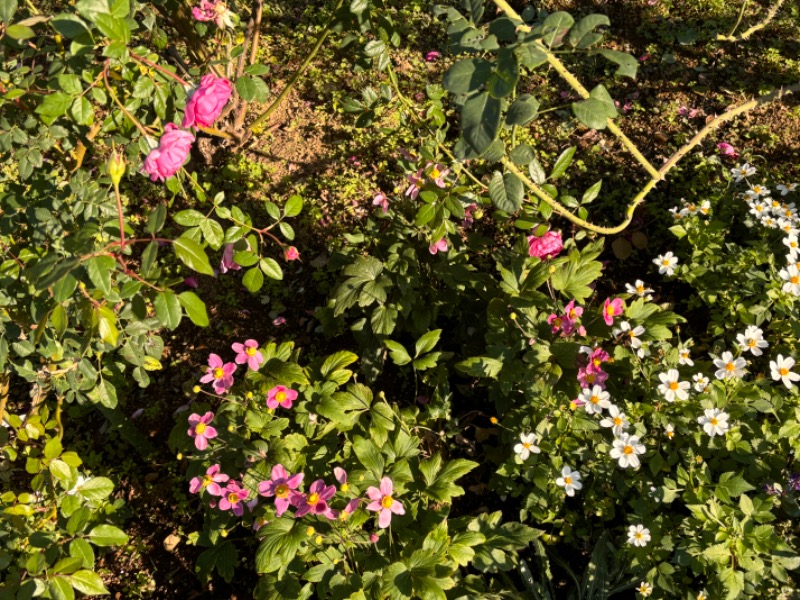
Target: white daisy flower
[[638, 535], [639, 289], [753, 340], [758, 209], [671, 388], [595, 399], [669, 431], [714, 422], [666, 263], [527, 445], [616, 419], [626, 451], [631, 333], [705, 207], [684, 357], [757, 191], [792, 243], [787, 226], [645, 589], [791, 275], [570, 480], [768, 221], [781, 370], [701, 382], [785, 189], [742, 171], [728, 367]]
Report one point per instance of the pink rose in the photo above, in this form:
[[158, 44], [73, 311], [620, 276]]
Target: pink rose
[[546, 246], [291, 253], [173, 149], [206, 102]]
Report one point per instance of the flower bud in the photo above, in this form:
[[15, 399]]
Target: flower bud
[[196, 389], [116, 167]]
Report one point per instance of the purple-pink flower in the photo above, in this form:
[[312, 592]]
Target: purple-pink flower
[[213, 11], [437, 173], [726, 149], [590, 377], [433, 55], [316, 501], [291, 253], [205, 104], [281, 396], [232, 497], [612, 308], [546, 246], [227, 263], [221, 374], [209, 482], [381, 200], [440, 246], [281, 486], [248, 353], [201, 430], [383, 501], [173, 149], [416, 184]]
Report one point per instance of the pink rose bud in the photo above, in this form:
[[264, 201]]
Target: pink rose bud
[[546, 246], [207, 101], [432, 56], [291, 253], [373, 538], [173, 149]]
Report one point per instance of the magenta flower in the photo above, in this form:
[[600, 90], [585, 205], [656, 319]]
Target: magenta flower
[[227, 263], [220, 374], [381, 200], [589, 377], [248, 353], [278, 321], [440, 246], [191, 282], [573, 311], [560, 323], [291, 253], [232, 497], [547, 246], [468, 218], [382, 501], [437, 174], [416, 184], [596, 359], [209, 482], [432, 56], [316, 501], [205, 104], [200, 429], [281, 395], [726, 149], [373, 538], [214, 11], [281, 486], [612, 308], [173, 149]]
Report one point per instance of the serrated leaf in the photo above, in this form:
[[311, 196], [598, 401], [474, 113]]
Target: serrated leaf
[[398, 353], [524, 109], [192, 255], [467, 75], [506, 192], [168, 309], [194, 307], [427, 342], [252, 89], [480, 124]]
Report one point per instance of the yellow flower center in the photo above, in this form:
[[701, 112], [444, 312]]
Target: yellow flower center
[[207, 480], [233, 498], [435, 173], [219, 373], [795, 280], [567, 480], [751, 343], [282, 491], [673, 385], [312, 499], [670, 434], [387, 501], [640, 289], [638, 535], [590, 378], [610, 309], [558, 322], [525, 445], [783, 372], [665, 262], [628, 450], [594, 399], [713, 421], [199, 428], [280, 396], [250, 351], [730, 367], [617, 421], [344, 487]]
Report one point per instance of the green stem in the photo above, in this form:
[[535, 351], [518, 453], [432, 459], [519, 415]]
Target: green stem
[[750, 31], [259, 122]]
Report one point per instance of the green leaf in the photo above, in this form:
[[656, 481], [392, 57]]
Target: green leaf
[[107, 324], [81, 110], [80, 548], [480, 366], [189, 218], [563, 162], [480, 121], [581, 35], [271, 268], [530, 55], [54, 105], [194, 307], [627, 65], [253, 280], [555, 28], [88, 582], [506, 192], [20, 32], [7, 10], [104, 393], [425, 214], [60, 589], [97, 488], [252, 89], [99, 269], [427, 342], [538, 176], [522, 110], [283, 537], [192, 255], [213, 233], [107, 535], [168, 309], [383, 320], [467, 75], [294, 206], [369, 456], [504, 75], [337, 361], [53, 448], [730, 486], [595, 111], [398, 353], [592, 193], [440, 482], [114, 27]]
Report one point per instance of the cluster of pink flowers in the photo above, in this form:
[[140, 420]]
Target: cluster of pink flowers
[[566, 324], [204, 106], [231, 497], [433, 171], [220, 374], [590, 367], [214, 11], [545, 246]]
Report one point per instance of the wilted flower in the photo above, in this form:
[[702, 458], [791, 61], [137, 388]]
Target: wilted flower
[[432, 56], [546, 246], [381, 200], [227, 263], [214, 11], [172, 151]]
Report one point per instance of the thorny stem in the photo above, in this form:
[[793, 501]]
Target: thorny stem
[[656, 175], [159, 68], [259, 122], [142, 129], [760, 25]]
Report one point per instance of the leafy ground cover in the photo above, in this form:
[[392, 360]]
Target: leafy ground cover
[[325, 144]]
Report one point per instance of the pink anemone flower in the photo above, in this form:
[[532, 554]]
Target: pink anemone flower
[[281, 486], [383, 502], [281, 395], [200, 429], [612, 308], [232, 498], [209, 482], [439, 246], [381, 200], [221, 374], [248, 353], [316, 501]]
